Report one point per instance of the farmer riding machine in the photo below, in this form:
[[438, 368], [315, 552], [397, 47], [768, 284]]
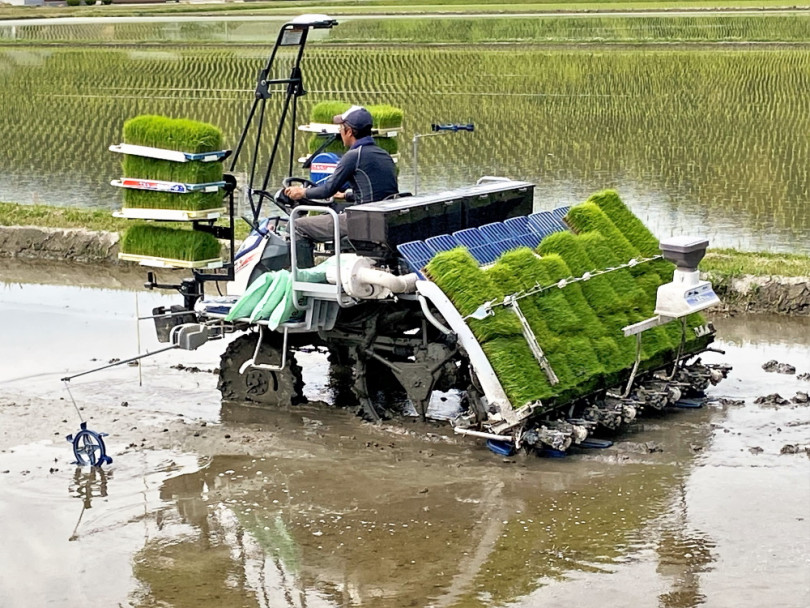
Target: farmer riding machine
[[548, 325]]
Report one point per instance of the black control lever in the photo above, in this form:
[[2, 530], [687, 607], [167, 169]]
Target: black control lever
[[327, 140], [152, 284]]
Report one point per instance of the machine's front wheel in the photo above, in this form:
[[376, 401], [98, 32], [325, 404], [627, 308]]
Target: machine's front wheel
[[256, 385]]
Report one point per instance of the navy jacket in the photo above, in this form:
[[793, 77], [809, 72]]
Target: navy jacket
[[369, 170]]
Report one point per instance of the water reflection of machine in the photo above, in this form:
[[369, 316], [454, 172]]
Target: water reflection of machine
[[683, 553], [345, 527]]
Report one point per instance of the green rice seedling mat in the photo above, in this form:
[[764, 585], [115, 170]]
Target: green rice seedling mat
[[578, 324], [166, 164], [191, 201], [195, 172], [384, 116], [387, 123], [170, 247], [191, 136]]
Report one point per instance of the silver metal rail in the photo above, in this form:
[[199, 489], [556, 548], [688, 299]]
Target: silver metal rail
[[316, 290]]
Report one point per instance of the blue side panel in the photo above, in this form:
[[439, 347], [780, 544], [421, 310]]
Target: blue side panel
[[485, 244], [518, 225], [530, 239], [485, 254], [537, 228], [416, 254], [560, 212], [497, 231], [553, 221], [545, 223], [505, 245], [443, 242], [470, 237]]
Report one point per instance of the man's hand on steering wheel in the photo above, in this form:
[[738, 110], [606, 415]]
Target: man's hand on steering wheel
[[295, 193], [295, 190]]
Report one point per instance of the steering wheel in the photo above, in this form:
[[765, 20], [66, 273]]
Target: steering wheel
[[298, 181]]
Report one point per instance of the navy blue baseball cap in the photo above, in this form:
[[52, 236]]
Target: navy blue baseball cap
[[357, 117]]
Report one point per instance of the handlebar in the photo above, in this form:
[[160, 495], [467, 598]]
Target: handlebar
[[454, 127]]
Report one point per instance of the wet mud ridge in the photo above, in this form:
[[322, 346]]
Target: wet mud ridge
[[777, 295], [71, 244]]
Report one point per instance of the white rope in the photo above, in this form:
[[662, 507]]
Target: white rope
[[485, 310], [67, 387]]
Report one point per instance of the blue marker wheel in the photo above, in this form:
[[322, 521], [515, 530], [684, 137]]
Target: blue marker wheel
[[89, 448]]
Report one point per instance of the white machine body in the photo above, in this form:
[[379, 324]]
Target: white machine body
[[243, 265], [686, 293]]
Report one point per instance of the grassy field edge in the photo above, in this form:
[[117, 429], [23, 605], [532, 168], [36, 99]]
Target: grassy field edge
[[756, 25], [388, 7]]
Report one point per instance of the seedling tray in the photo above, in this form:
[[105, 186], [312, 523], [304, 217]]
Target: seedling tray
[[155, 262], [173, 155], [169, 215], [156, 185]]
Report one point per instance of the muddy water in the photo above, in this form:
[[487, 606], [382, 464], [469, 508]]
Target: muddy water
[[311, 507]]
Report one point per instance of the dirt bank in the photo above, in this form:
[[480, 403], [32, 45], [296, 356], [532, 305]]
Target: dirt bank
[[71, 244], [768, 294]]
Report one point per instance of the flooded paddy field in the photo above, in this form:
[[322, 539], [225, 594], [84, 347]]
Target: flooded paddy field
[[310, 506], [694, 138]]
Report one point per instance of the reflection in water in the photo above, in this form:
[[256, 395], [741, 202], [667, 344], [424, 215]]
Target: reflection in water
[[88, 483], [333, 512], [683, 553], [756, 330], [338, 528]]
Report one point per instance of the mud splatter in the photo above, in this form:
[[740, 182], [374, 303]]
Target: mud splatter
[[779, 368]]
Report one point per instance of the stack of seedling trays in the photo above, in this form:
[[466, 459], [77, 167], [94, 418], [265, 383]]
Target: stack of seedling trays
[[578, 325], [386, 127], [172, 173]]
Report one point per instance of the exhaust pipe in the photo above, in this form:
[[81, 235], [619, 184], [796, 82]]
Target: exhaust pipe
[[395, 284], [361, 280]]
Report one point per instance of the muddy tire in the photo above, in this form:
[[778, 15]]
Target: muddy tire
[[341, 375], [259, 386]]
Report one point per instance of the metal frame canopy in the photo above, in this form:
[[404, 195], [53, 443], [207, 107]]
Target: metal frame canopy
[[292, 34]]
